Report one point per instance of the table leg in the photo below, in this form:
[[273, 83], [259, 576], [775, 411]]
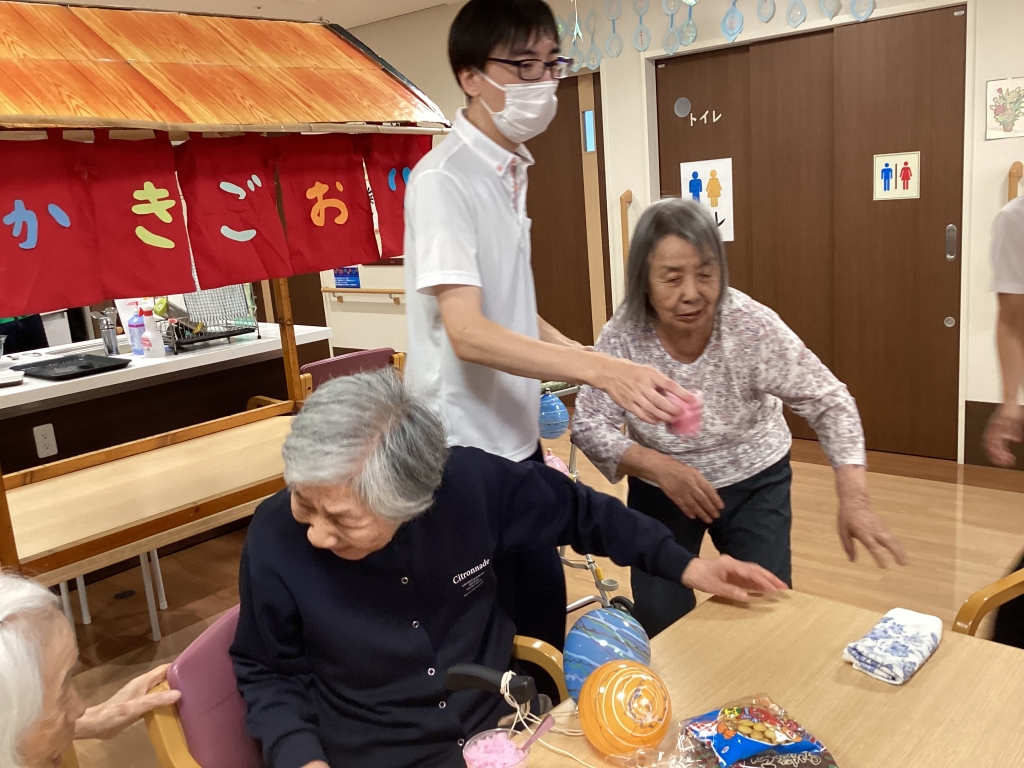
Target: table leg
[[83, 600], [65, 600], [161, 598], [147, 581]]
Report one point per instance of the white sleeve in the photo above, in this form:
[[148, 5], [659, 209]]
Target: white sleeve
[[1008, 250], [444, 233]]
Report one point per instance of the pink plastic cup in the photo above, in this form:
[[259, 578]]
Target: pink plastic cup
[[490, 750], [689, 420]]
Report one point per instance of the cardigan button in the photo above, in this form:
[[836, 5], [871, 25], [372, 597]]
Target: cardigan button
[[442, 705], [405, 579]]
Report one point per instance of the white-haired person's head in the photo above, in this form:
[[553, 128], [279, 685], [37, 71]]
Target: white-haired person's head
[[364, 456], [37, 655], [40, 709]]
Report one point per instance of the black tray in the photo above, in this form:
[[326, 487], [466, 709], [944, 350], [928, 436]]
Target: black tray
[[72, 367]]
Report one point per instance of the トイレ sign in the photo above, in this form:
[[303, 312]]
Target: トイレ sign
[[898, 176]]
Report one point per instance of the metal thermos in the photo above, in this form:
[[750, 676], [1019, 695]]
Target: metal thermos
[[108, 330]]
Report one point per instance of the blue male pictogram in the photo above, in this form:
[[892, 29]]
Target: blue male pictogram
[[696, 186]]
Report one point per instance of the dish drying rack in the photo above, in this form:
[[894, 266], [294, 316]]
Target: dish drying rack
[[210, 315]]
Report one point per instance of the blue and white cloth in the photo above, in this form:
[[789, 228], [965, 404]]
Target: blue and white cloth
[[897, 646]]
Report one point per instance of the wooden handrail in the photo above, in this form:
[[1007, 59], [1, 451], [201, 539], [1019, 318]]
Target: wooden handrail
[[624, 201], [1016, 172], [370, 291]]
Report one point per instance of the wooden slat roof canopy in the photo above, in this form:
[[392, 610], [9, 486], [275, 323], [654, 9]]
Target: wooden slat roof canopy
[[71, 67]]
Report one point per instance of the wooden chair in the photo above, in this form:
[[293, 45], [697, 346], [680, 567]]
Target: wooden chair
[[215, 711], [986, 600]]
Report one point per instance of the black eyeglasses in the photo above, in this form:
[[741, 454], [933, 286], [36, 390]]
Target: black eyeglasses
[[533, 69]]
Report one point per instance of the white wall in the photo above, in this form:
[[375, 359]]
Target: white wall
[[416, 45], [998, 52]]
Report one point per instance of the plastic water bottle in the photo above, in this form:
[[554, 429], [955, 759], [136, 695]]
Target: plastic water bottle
[[136, 327]]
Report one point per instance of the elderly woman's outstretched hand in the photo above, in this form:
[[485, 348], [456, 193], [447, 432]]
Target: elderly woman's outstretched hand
[[106, 720], [858, 521], [726, 577]]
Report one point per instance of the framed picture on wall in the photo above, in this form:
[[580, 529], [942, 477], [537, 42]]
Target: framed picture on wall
[[1004, 107]]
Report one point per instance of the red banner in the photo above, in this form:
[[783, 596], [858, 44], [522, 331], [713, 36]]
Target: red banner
[[48, 249], [390, 159], [233, 222], [326, 205], [140, 221]]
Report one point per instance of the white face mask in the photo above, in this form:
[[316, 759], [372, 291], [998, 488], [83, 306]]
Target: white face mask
[[529, 109]]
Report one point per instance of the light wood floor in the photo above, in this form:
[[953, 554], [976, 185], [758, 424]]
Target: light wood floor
[[962, 528]]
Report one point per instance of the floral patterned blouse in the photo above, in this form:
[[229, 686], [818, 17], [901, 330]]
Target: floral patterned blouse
[[752, 364]]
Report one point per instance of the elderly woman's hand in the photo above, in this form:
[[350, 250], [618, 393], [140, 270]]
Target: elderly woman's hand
[[730, 578], [106, 720], [858, 521], [689, 490]]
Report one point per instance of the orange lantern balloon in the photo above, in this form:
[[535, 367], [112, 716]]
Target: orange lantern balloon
[[624, 706]]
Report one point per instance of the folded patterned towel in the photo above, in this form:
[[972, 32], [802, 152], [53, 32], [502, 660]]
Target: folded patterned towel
[[897, 646]]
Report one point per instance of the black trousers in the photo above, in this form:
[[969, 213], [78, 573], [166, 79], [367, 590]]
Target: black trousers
[[1009, 624], [531, 589], [23, 335], [754, 525]]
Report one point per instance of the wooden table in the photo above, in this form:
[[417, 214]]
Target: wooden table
[[960, 709], [67, 519]]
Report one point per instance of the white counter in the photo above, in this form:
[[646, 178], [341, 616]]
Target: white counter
[[37, 394]]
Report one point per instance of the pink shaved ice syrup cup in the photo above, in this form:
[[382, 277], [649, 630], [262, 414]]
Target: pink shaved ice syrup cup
[[689, 421], [494, 749]]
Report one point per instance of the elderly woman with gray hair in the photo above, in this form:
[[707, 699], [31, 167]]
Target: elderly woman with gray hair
[[371, 575], [733, 477], [40, 711]]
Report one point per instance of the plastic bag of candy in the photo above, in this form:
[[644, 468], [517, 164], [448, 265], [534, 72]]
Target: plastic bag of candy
[[751, 733]]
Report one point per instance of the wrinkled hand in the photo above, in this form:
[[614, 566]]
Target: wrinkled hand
[[1004, 427], [689, 490], [640, 389], [730, 578], [858, 522], [106, 720]]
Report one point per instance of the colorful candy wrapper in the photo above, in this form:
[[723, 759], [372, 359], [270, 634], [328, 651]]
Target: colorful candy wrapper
[[751, 728]]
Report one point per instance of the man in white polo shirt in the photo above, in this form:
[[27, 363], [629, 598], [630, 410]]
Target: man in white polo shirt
[[1007, 422], [477, 347]]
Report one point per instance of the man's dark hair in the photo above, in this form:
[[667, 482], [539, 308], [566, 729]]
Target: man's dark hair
[[485, 25]]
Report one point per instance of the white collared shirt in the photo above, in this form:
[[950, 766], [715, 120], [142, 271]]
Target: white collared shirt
[[1008, 248], [466, 224]]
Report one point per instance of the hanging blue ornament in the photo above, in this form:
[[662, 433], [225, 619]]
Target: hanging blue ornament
[[732, 23], [765, 10], [796, 13], [689, 32], [671, 8], [642, 36], [560, 28], [613, 9], [862, 9], [594, 52], [575, 53], [829, 7], [554, 417]]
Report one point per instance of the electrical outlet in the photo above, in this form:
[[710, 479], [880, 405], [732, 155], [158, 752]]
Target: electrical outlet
[[46, 441]]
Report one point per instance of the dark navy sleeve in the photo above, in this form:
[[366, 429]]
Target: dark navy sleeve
[[271, 668], [533, 506]]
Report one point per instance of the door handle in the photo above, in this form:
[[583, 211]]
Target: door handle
[[951, 242]]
